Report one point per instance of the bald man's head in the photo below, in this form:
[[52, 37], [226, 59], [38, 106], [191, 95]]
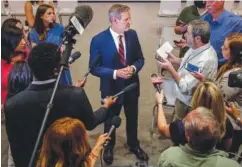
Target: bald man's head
[[202, 129], [214, 6]]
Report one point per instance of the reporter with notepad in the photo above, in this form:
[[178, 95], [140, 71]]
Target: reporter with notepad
[[200, 54]]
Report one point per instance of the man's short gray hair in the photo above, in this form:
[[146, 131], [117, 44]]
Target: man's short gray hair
[[202, 128], [116, 10], [202, 29]]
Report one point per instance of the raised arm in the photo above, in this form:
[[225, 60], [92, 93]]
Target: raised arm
[[29, 14], [161, 122], [86, 115]]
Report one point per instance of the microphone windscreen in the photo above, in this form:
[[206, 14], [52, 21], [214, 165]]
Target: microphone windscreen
[[84, 14], [131, 86], [116, 121], [76, 55], [157, 80]]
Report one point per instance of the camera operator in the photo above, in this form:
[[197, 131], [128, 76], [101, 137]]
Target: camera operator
[[25, 111]]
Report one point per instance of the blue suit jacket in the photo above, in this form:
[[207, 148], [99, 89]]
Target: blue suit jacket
[[103, 45]]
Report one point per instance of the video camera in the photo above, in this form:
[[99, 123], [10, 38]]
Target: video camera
[[235, 79]]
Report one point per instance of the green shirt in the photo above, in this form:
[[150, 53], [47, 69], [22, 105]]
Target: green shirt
[[185, 156], [187, 15]]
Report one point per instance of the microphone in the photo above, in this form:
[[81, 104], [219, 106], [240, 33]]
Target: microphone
[[126, 89], [78, 21], [74, 57], [116, 121], [156, 81], [92, 65]]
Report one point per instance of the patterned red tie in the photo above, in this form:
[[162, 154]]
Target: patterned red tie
[[121, 50]]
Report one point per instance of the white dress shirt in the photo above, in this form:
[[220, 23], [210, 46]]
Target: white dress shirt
[[43, 82], [116, 41]]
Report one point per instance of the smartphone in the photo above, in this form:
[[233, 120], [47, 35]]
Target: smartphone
[[192, 68], [176, 42]]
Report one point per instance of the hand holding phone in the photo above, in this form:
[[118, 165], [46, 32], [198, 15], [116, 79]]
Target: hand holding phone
[[176, 42], [198, 75], [180, 43], [159, 58]]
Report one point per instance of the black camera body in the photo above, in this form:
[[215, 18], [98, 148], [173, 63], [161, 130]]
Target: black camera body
[[235, 79]]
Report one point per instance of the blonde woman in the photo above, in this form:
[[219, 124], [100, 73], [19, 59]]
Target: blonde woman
[[66, 144], [208, 95]]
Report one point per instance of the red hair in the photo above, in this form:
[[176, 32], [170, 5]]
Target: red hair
[[65, 144]]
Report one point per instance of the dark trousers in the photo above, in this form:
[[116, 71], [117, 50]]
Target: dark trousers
[[237, 141], [181, 110], [131, 113]]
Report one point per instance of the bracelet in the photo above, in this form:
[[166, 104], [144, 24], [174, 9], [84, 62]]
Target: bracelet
[[93, 155], [237, 121]]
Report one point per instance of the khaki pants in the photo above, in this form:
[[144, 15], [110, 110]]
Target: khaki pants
[[181, 110]]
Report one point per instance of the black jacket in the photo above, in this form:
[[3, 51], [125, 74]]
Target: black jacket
[[25, 112]]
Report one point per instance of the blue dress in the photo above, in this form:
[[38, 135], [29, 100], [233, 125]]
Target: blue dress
[[53, 36]]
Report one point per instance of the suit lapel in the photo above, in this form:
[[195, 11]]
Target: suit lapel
[[111, 43], [126, 45]]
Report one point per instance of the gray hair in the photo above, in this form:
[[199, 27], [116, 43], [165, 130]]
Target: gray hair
[[202, 128], [202, 29], [116, 10]]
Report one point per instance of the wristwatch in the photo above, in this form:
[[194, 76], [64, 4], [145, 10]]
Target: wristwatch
[[237, 121]]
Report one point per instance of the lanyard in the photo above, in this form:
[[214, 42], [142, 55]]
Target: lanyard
[[189, 58]]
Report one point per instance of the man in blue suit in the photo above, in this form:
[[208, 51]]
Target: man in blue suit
[[121, 60]]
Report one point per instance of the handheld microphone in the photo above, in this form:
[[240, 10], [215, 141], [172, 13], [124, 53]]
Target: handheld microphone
[[74, 57], [92, 65], [126, 89], [78, 21], [156, 81], [116, 121]]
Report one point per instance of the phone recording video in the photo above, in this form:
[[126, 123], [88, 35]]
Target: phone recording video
[[192, 68]]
